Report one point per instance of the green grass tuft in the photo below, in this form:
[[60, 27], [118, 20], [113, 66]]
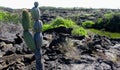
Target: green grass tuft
[[79, 31], [104, 33], [88, 24]]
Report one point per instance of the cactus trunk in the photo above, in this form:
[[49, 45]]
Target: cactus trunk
[[38, 38], [29, 40], [38, 53]]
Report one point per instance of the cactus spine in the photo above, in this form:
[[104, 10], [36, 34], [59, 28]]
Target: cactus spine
[[26, 34]]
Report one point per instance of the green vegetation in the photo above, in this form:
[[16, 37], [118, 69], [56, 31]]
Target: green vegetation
[[66, 23], [104, 33], [46, 27], [88, 24], [108, 25], [63, 22], [8, 17], [108, 15], [110, 22], [79, 31], [59, 22]]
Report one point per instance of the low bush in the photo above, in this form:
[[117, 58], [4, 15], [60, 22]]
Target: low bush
[[109, 22], [88, 24], [77, 30], [46, 27], [8, 17], [62, 22]]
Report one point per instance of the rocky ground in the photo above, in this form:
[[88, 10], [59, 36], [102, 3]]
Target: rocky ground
[[61, 51], [78, 15]]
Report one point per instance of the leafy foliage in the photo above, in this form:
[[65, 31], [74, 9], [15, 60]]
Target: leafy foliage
[[77, 30], [110, 22], [59, 22], [46, 27], [8, 17], [63, 22], [88, 24], [108, 15]]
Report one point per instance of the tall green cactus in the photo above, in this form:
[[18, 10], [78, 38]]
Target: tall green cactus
[[26, 34]]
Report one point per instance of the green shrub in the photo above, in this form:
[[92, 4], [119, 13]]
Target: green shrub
[[99, 20], [88, 24], [99, 23], [79, 31], [114, 23], [8, 17], [46, 27], [59, 22], [66, 23], [63, 22], [110, 22], [108, 15]]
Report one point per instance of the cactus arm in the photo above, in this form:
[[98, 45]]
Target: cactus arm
[[25, 20], [38, 38]]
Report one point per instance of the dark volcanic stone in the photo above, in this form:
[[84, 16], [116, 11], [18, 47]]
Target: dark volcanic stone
[[18, 40], [59, 30]]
